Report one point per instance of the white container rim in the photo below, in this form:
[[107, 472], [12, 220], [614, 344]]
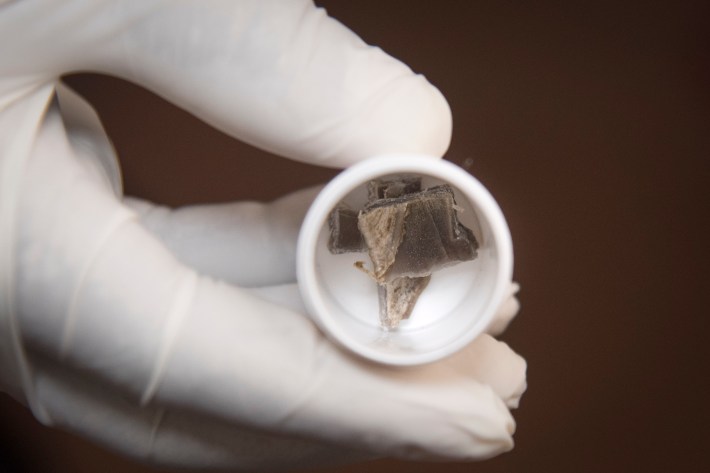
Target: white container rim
[[338, 188]]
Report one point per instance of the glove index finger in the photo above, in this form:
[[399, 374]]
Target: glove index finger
[[282, 76]]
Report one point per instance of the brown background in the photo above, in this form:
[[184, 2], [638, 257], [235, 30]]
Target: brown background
[[589, 123]]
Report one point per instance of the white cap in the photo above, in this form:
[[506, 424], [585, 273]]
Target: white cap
[[458, 304]]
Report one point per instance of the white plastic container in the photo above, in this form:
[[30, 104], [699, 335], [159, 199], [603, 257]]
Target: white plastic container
[[457, 305]]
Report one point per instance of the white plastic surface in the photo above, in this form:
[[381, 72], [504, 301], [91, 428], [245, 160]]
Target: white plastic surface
[[459, 302]]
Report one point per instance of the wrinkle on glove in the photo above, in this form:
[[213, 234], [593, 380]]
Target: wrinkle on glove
[[172, 437]]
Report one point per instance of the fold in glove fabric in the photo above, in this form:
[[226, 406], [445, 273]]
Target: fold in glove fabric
[[150, 330]]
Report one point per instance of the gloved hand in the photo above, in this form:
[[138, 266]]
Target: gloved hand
[[177, 336]]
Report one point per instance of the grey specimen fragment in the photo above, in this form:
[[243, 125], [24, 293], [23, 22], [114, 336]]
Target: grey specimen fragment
[[345, 237], [388, 188], [408, 233]]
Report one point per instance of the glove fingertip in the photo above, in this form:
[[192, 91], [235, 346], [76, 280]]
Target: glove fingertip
[[410, 116]]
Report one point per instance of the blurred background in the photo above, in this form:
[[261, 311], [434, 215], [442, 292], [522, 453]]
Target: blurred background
[[589, 123]]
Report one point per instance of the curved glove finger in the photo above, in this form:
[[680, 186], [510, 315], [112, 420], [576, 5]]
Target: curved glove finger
[[506, 312], [485, 360], [116, 304], [494, 363], [278, 74], [315, 389], [245, 243], [171, 437]]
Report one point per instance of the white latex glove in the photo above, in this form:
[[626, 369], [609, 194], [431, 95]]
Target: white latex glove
[[178, 336]]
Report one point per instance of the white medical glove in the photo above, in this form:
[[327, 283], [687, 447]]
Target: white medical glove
[[177, 336]]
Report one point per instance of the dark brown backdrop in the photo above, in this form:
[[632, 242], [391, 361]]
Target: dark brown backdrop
[[589, 123]]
